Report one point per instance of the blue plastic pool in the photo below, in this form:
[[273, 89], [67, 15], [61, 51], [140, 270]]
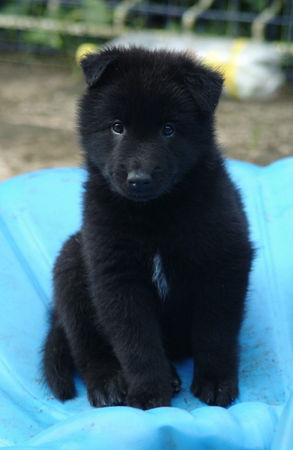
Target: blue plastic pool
[[37, 212]]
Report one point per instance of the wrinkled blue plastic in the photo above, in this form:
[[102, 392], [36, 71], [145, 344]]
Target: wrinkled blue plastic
[[37, 212]]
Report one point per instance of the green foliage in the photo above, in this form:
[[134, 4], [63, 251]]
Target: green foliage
[[24, 7], [254, 5], [96, 12], [46, 38], [91, 12]]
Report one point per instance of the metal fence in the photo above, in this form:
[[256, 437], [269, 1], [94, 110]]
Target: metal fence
[[55, 25]]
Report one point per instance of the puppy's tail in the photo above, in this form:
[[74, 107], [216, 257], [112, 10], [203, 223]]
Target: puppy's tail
[[58, 364]]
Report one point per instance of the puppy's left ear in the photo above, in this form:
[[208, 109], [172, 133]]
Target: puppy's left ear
[[94, 65], [205, 86]]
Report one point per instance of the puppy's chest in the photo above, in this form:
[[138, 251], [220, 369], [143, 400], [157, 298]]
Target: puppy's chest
[[159, 277], [179, 278]]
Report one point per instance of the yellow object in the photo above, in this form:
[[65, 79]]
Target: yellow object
[[228, 68], [83, 50]]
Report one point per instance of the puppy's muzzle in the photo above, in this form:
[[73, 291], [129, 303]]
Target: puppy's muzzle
[[139, 182]]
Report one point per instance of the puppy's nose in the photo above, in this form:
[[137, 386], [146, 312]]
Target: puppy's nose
[[139, 180]]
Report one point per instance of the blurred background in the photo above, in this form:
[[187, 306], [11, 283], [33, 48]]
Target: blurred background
[[41, 42]]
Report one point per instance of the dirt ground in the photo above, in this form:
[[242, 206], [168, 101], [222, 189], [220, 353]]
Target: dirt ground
[[37, 121]]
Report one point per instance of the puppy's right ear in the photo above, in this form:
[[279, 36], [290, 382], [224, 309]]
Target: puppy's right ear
[[94, 65]]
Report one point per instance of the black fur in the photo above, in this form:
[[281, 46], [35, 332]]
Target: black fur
[[150, 198]]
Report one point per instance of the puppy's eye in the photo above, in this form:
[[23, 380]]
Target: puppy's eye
[[168, 130], [118, 127]]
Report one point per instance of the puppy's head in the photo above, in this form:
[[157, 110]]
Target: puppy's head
[[146, 118]]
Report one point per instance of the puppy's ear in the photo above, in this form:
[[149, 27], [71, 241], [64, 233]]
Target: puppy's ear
[[205, 86], [94, 65]]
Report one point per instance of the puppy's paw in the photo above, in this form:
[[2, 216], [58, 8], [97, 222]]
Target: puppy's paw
[[147, 401], [65, 392], [217, 392], [149, 396], [109, 391]]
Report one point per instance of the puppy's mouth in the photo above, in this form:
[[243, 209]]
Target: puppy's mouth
[[137, 195], [141, 197]]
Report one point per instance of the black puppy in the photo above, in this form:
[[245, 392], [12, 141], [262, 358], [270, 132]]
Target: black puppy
[[159, 269]]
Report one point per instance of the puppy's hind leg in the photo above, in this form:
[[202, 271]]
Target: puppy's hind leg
[[91, 352], [95, 361], [58, 363]]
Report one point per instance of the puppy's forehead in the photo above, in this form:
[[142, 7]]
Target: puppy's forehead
[[148, 74], [146, 93], [148, 101]]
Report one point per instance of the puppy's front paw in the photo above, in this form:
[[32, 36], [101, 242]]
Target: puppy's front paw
[[149, 396], [217, 392], [110, 391]]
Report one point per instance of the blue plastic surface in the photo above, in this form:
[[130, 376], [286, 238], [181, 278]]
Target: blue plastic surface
[[37, 212]]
